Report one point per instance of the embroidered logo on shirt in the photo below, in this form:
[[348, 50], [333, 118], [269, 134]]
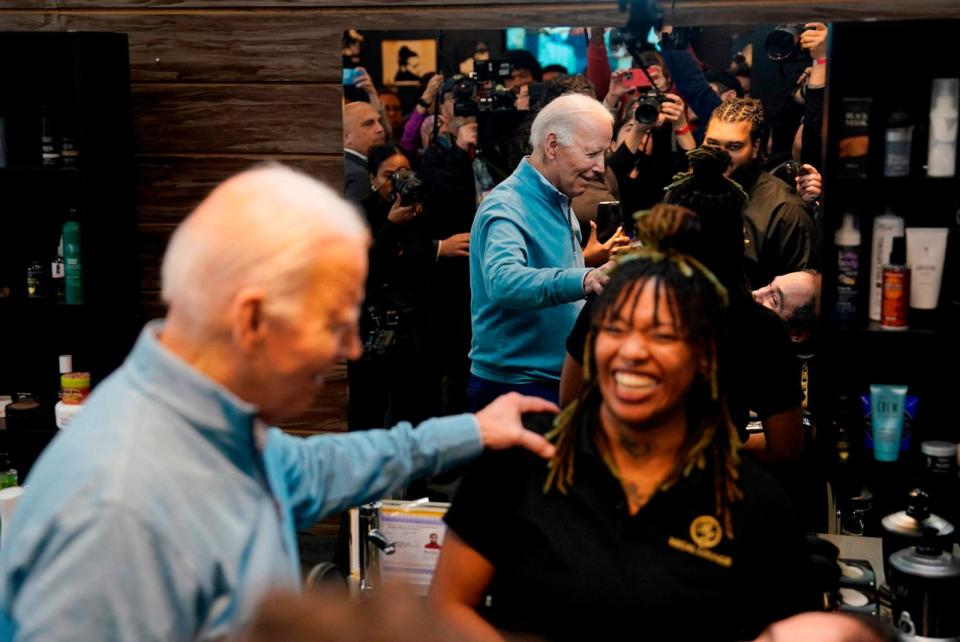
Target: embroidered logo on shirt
[[706, 532]]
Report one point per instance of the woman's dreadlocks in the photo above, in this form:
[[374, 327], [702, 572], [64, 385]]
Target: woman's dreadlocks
[[696, 301]]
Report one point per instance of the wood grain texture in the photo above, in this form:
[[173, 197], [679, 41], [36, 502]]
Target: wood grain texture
[[169, 187], [29, 21], [284, 119], [223, 46], [353, 5], [397, 14]]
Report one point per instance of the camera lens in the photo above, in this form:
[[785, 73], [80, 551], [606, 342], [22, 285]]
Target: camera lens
[[648, 110], [782, 43]]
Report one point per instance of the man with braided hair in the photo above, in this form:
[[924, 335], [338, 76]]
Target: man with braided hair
[[648, 518], [779, 234]]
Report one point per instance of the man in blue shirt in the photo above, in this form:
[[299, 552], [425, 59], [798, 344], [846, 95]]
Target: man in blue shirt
[[168, 508], [527, 276]]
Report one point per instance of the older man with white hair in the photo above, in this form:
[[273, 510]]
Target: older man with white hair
[[527, 275], [168, 507]]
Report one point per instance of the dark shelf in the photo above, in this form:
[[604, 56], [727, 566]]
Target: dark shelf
[[45, 171]]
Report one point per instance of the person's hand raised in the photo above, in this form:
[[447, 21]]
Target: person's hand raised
[[501, 427], [400, 214], [814, 39], [467, 136], [809, 183], [596, 253]]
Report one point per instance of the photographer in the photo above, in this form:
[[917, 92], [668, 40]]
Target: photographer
[[394, 323], [780, 234], [448, 167], [653, 148]]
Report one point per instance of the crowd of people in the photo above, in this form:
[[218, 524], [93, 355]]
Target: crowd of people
[[614, 377]]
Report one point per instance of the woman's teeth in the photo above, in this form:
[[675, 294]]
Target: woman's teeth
[[634, 381]]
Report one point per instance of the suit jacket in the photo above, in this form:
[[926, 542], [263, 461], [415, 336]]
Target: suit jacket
[[356, 185]]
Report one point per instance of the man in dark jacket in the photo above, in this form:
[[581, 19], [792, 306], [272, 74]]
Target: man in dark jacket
[[780, 236], [361, 131]]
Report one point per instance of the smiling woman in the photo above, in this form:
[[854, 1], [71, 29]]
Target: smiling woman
[[646, 513]]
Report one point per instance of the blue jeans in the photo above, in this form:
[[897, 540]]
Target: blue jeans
[[481, 392]]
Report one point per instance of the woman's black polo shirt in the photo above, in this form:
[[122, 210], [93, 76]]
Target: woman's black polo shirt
[[578, 566]]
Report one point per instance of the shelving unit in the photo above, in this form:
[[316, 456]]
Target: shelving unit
[[894, 64], [84, 79]]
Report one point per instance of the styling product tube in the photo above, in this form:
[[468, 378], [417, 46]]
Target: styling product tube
[[926, 251], [847, 240], [896, 288], [887, 418], [885, 227], [909, 417], [854, 138], [942, 151]]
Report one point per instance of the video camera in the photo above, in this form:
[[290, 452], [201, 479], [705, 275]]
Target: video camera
[[783, 43], [408, 186], [483, 90]]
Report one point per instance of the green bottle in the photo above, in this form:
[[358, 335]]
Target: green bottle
[[73, 260]]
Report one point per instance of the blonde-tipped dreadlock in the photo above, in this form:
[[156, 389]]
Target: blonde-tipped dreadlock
[[696, 301]]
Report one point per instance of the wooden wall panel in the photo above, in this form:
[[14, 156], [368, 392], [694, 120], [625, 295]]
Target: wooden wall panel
[[207, 118], [223, 46], [169, 187]]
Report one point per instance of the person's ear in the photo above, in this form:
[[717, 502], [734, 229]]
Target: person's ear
[[756, 148], [552, 146], [247, 321]]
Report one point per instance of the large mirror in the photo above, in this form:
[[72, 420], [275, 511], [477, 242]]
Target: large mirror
[[455, 110]]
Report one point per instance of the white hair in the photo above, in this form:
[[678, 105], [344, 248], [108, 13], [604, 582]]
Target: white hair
[[264, 227], [563, 115]]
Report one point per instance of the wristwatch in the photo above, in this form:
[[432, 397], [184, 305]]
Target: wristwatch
[[423, 103]]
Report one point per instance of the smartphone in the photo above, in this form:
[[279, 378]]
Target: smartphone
[[635, 79], [609, 218], [350, 75]]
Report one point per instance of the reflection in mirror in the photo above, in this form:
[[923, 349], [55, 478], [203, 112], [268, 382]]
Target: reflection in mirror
[[438, 124]]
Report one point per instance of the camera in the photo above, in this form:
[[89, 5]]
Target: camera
[[471, 96], [648, 107], [495, 71], [407, 186], [783, 43]]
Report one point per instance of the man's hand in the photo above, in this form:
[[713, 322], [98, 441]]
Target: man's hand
[[673, 111], [815, 40], [500, 425], [456, 245], [400, 214], [433, 86], [467, 136], [596, 253], [365, 82], [596, 278], [616, 90], [809, 183]]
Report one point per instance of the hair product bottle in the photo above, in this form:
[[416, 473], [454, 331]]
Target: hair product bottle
[[73, 259], [886, 227], [899, 141], [58, 275], [74, 388], [847, 240], [896, 288], [942, 152], [49, 145]]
